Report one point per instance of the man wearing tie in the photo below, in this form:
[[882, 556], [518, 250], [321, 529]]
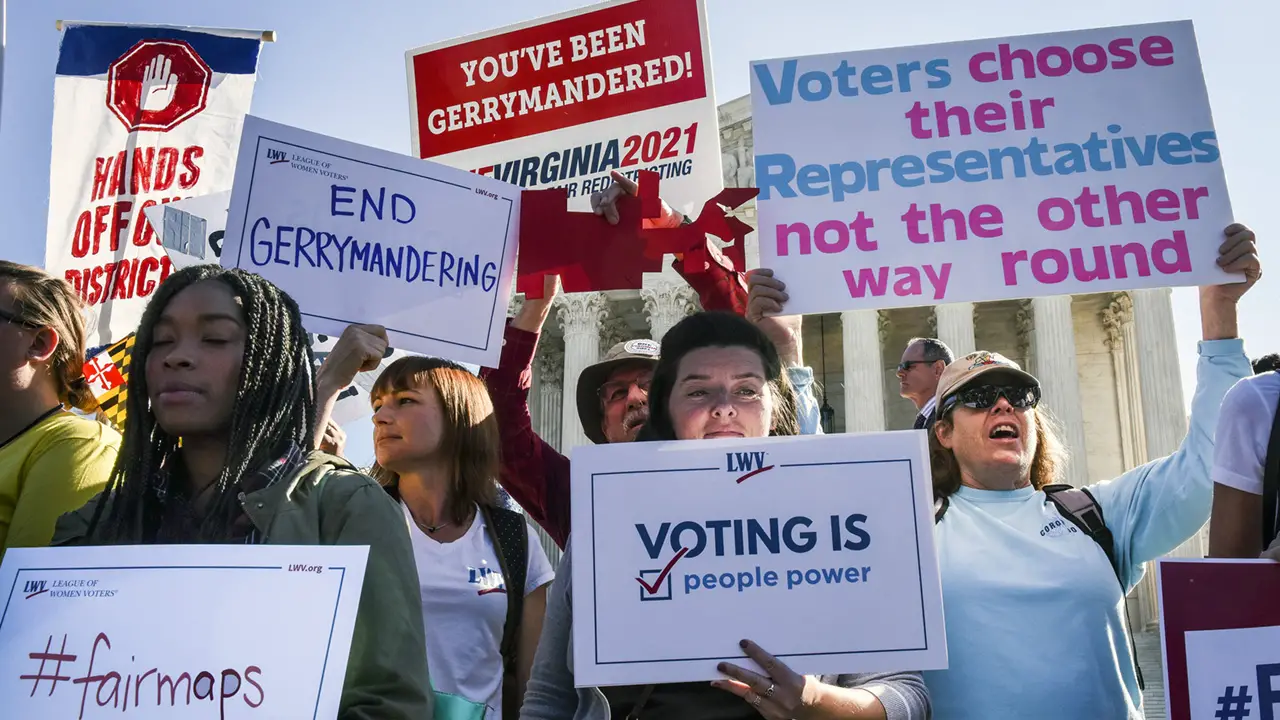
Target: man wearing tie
[[922, 364]]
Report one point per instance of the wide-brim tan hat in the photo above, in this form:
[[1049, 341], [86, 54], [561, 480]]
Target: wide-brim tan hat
[[965, 370], [590, 411]]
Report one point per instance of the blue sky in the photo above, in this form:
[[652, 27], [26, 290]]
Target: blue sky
[[338, 69]]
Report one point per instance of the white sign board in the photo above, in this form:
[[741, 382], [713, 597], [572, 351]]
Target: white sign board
[[178, 631], [561, 101], [680, 549], [1077, 162], [361, 235], [191, 230], [142, 115], [1232, 671]]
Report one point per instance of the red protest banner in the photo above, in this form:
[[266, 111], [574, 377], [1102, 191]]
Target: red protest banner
[[1220, 626]]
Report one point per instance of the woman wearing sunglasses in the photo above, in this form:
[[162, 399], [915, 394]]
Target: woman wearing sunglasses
[[51, 462], [1034, 607]]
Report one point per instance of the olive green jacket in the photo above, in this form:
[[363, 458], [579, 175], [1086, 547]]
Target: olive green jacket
[[329, 502]]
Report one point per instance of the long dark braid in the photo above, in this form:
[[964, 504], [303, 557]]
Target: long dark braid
[[275, 403]]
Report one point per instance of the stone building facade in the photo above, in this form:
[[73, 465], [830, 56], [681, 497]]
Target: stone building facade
[[1108, 362]]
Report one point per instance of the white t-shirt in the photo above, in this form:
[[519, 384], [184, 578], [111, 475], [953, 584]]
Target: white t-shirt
[[464, 608], [1244, 429]]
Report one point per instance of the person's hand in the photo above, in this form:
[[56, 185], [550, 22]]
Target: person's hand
[[605, 203], [781, 694], [533, 313], [334, 441], [1238, 253], [359, 349], [766, 296]]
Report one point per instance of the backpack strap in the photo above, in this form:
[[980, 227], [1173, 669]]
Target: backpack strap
[[507, 529], [1271, 484], [1079, 507], [940, 508]]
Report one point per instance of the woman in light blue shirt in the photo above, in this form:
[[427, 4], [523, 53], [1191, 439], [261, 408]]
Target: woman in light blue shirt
[[1034, 609]]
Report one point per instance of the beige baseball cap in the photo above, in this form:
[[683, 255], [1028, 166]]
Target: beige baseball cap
[[965, 370]]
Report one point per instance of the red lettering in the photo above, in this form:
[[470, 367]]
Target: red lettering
[[76, 279], [101, 172], [99, 225], [119, 222], [80, 240], [166, 267], [142, 230], [141, 170], [95, 285], [145, 285], [117, 176], [189, 178], [166, 168]]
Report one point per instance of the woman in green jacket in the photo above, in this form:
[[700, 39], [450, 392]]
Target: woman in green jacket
[[218, 449]]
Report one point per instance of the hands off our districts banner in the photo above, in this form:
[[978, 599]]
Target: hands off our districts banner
[[142, 115]]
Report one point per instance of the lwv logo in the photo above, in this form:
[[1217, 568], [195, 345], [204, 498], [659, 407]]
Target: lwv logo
[[277, 156], [34, 588], [751, 463]]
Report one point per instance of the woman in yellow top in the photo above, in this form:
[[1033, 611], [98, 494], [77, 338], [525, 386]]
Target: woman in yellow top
[[51, 461]]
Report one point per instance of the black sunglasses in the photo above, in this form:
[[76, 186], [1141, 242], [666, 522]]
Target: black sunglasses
[[983, 397], [906, 365], [15, 320]]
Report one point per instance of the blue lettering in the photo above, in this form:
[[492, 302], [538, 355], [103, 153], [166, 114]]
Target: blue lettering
[[254, 242], [281, 243], [807, 80], [775, 93], [490, 277], [937, 71], [775, 172], [302, 247], [698, 534], [366, 201], [1207, 143], [395, 209], [905, 165], [1172, 147], [334, 200], [652, 545], [807, 539]]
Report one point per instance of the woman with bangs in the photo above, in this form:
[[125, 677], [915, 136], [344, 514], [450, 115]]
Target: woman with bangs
[[482, 573]]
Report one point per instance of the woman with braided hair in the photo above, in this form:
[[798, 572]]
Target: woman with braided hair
[[218, 448], [51, 461]]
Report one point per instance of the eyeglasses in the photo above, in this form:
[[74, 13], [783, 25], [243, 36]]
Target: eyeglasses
[[616, 392], [13, 319], [906, 365], [982, 397]]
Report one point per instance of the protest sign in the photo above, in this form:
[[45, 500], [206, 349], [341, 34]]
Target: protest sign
[[361, 235], [141, 116], [1077, 162], [191, 232], [1220, 635], [818, 548], [563, 100], [178, 631]]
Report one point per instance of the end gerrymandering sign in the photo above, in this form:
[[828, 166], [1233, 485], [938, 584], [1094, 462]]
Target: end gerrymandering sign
[[818, 548], [563, 100], [361, 235], [1075, 162]]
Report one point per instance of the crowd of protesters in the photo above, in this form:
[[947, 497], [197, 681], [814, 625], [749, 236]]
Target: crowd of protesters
[[225, 418]]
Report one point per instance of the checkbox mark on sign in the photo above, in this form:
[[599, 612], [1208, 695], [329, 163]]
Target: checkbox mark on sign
[[662, 576]]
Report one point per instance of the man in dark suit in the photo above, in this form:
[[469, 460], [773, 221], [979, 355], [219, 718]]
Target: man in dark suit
[[922, 364]]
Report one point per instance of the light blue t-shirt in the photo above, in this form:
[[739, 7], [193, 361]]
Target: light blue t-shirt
[[1034, 612]]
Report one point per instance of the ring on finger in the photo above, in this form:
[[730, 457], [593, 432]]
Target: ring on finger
[[769, 692], [755, 700]]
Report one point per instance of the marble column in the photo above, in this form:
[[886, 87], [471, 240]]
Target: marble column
[[580, 317], [1164, 410], [665, 304], [547, 396], [863, 371], [1117, 320], [1055, 352], [955, 327]]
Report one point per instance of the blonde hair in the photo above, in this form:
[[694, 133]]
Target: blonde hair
[[1046, 466], [48, 301], [470, 434]]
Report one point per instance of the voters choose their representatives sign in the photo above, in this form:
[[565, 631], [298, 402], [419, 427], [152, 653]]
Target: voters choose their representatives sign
[[361, 235], [1075, 162], [177, 631], [818, 548], [561, 101]]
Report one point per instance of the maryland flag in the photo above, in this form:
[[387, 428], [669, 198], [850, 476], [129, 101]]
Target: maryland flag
[[107, 374]]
